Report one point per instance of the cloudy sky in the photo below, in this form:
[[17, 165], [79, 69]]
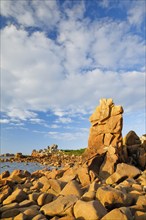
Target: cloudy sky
[[58, 58]]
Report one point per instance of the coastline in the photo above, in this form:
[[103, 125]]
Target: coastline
[[72, 192], [55, 159]]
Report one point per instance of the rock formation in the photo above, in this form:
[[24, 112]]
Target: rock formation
[[60, 194], [136, 149], [53, 148], [106, 147], [106, 126], [105, 138], [102, 188]]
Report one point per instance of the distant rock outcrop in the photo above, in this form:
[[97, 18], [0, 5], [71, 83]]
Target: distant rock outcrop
[[45, 152], [18, 155], [53, 148]]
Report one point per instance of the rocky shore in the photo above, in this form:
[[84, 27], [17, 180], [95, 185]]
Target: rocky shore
[[108, 182], [73, 193], [54, 159]]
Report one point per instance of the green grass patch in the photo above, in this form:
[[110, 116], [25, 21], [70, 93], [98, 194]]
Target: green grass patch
[[74, 152]]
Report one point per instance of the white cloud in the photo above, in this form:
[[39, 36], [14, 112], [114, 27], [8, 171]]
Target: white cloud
[[32, 13], [39, 132], [21, 114], [87, 61], [64, 120], [16, 127], [38, 121], [104, 3], [54, 126], [69, 136], [4, 121], [115, 49], [59, 112], [74, 11], [137, 13]]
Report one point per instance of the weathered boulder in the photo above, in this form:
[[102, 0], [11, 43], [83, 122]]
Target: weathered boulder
[[23, 209], [21, 173], [123, 171], [19, 176], [131, 139], [17, 196], [4, 174], [136, 149], [42, 183], [88, 196], [5, 191], [141, 201], [83, 175], [39, 217], [72, 188], [26, 203], [20, 216], [8, 207], [34, 196], [139, 215], [61, 206], [44, 198], [122, 213], [69, 174], [10, 213], [110, 197], [108, 166], [91, 210], [31, 212], [56, 185]]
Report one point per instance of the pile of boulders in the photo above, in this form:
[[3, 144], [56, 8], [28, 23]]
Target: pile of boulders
[[46, 151], [7, 155], [136, 149], [73, 193], [106, 147], [56, 159]]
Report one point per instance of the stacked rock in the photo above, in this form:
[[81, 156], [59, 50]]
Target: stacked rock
[[106, 124], [105, 137], [106, 127]]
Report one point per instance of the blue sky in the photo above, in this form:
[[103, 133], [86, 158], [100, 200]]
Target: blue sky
[[58, 58]]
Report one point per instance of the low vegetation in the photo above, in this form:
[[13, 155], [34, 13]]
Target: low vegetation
[[74, 152]]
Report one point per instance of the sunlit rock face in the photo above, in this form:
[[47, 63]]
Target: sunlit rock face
[[105, 136], [106, 127]]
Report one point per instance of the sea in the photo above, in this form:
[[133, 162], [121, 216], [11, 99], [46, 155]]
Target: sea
[[29, 166]]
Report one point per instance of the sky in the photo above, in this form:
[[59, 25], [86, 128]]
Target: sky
[[58, 59]]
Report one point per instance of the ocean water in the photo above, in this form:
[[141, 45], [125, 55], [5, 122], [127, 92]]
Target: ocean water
[[31, 167]]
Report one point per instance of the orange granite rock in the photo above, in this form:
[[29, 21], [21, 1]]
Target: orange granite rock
[[106, 127]]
